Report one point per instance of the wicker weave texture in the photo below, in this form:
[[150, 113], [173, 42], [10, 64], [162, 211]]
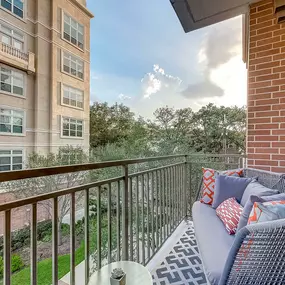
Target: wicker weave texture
[[261, 258]]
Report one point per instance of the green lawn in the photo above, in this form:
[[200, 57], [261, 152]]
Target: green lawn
[[45, 266], [45, 269]]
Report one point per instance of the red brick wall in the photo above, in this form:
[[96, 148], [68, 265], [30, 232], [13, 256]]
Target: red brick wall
[[266, 90], [21, 217]]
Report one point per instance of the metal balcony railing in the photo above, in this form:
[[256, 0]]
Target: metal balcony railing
[[144, 206]]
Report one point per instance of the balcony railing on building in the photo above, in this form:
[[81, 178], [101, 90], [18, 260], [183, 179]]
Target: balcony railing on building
[[142, 208], [18, 59]]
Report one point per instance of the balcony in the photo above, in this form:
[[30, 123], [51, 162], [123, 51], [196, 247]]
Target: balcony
[[16, 58], [138, 214]]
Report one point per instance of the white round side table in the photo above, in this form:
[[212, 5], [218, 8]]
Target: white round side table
[[136, 274]]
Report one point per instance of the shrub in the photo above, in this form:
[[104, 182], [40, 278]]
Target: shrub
[[17, 263], [1, 266]]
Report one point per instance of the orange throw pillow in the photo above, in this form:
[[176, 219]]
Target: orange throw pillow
[[209, 179]]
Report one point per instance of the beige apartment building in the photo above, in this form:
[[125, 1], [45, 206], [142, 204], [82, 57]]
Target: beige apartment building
[[45, 77]]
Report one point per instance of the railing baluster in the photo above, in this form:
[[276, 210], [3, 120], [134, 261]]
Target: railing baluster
[[152, 212], [7, 248], [118, 222], [157, 210], [185, 186], [163, 203], [160, 206], [86, 230], [109, 223], [125, 214], [34, 245], [143, 237], [147, 217], [99, 227], [137, 219], [131, 220], [176, 194], [72, 239], [168, 201], [180, 193], [55, 242], [171, 197]]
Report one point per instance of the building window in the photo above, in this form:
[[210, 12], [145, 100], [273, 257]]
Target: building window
[[73, 31], [11, 121], [72, 97], [72, 128], [15, 6], [11, 81], [11, 37], [11, 160], [73, 65]]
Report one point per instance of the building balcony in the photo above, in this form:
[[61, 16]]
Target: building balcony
[[142, 214], [16, 58]]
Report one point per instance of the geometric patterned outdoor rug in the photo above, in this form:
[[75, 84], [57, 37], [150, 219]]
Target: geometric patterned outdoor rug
[[183, 265]]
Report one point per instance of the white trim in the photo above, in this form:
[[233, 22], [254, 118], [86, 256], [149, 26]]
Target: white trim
[[11, 149], [24, 82], [25, 145], [23, 134], [15, 29], [76, 56], [16, 16], [71, 118], [38, 35], [62, 30], [62, 95]]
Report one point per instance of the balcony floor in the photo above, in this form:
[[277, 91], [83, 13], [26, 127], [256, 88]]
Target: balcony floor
[[178, 262]]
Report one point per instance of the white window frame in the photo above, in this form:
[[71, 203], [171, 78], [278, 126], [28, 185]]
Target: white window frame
[[23, 120], [12, 8], [11, 156], [64, 14], [72, 59], [75, 119], [14, 72], [65, 87], [13, 36]]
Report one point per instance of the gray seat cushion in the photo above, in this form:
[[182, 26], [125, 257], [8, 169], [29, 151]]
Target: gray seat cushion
[[213, 240]]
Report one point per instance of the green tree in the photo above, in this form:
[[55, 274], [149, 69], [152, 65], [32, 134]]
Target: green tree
[[109, 124], [36, 186], [218, 128]]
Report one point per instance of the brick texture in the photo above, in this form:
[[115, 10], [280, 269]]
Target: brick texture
[[266, 89], [21, 217]]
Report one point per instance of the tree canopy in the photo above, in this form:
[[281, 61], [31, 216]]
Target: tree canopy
[[212, 129]]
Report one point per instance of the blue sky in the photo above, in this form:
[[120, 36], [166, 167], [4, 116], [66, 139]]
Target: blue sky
[[140, 56]]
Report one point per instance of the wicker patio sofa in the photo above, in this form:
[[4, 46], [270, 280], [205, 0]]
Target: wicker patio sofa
[[255, 255]]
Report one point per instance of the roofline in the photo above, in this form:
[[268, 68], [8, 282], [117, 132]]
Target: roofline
[[83, 8], [189, 23]]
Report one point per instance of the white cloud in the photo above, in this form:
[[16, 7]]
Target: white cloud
[[157, 81], [124, 97]]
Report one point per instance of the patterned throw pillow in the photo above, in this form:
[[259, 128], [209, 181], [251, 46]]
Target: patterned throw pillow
[[229, 212], [267, 211], [209, 178]]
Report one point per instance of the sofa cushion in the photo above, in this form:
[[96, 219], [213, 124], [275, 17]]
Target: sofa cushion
[[249, 204], [255, 188], [209, 178], [227, 187], [213, 240], [267, 211], [229, 213]]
